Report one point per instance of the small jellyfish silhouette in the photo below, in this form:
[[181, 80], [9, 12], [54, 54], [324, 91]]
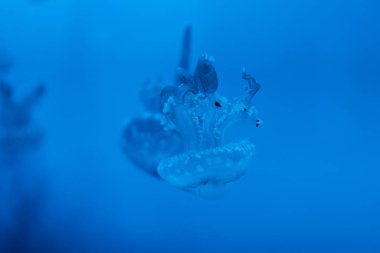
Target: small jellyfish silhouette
[[18, 132], [202, 117], [148, 139]]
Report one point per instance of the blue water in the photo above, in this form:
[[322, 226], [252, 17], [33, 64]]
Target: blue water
[[314, 183]]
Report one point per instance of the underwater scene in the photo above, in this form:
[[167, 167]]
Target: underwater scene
[[189, 126]]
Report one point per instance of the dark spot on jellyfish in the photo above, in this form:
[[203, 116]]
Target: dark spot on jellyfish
[[257, 123], [217, 104], [245, 109]]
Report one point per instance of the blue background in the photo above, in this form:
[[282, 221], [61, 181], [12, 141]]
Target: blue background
[[314, 185]]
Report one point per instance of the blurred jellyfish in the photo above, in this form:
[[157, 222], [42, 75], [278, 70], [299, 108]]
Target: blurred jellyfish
[[148, 139], [201, 117], [5, 62], [18, 132]]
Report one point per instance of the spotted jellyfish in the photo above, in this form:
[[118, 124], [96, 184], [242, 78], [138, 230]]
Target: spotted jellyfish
[[202, 117]]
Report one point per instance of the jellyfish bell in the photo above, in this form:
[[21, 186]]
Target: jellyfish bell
[[202, 118], [146, 142], [146, 139], [207, 172]]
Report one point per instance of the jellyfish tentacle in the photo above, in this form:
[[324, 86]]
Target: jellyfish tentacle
[[252, 88], [205, 75], [207, 114], [187, 79], [240, 109], [181, 117], [166, 93], [184, 62], [233, 115], [187, 84], [186, 49]]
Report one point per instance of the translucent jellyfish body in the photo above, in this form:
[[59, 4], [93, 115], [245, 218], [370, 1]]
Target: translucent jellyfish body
[[201, 117], [18, 132], [147, 139], [146, 142]]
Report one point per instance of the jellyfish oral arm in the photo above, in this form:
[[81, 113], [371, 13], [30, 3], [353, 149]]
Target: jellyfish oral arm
[[252, 88]]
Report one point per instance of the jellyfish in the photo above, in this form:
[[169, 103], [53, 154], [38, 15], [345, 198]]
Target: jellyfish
[[18, 131], [202, 117], [148, 139]]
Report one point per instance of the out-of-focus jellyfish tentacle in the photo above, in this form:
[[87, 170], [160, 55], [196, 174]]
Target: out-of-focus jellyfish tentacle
[[186, 49], [207, 163], [184, 61]]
